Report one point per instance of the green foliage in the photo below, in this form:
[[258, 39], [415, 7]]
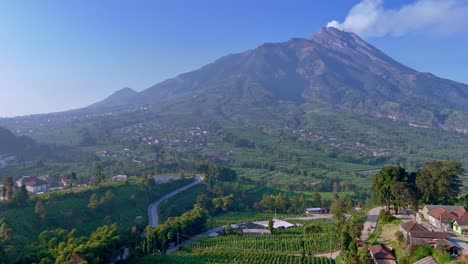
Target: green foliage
[[93, 201], [61, 246], [283, 203], [69, 210], [232, 256], [420, 252], [188, 224], [385, 185], [20, 198], [270, 225], [385, 217], [435, 183], [400, 237], [439, 181], [279, 242], [40, 209], [312, 228], [337, 209]]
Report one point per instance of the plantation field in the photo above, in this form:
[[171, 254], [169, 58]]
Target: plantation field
[[279, 243], [229, 256]]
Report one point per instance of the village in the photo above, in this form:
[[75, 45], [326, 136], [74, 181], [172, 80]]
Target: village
[[359, 148], [438, 226]]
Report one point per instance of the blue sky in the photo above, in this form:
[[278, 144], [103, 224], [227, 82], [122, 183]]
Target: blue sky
[[60, 55]]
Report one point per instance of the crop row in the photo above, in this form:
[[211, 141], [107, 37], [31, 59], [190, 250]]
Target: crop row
[[235, 256], [294, 244]]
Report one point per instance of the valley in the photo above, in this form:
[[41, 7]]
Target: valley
[[275, 131]]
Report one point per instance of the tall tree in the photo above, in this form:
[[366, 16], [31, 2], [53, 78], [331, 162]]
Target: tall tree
[[93, 201], [21, 196], [439, 181], [40, 209], [99, 176], [72, 179], [386, 183], [8, 184]]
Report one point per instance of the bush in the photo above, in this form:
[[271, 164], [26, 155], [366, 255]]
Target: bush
[[386, 217], [420, 252]]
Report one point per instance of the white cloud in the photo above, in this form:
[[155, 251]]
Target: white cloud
[[370, 18]]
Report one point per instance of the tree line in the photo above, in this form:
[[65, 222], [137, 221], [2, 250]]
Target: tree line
[[437, 182]]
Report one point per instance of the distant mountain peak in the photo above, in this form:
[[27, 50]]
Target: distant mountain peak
[[125, 91], [334, 38], [124, 96]]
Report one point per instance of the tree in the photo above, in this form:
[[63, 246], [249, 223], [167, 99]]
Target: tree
[[337, 209], [72, 178], [385, 184], [6, 231], [438, 181], [109, 200], [271, 225], [312, 228], [7, 190], [317, 199], [40, 209], [99, 176], [93, 201], [21, 196]]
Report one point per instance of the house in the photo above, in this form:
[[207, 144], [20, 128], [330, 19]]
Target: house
[[119, 177], [53, 182], [317, 210], [381, 254], [358, 207], [256, 232], [441, 218], [33, 184], [417, 238], [457, 210], [277, 224], [426, 260], [460, 225], [451, 248], [410, 226]]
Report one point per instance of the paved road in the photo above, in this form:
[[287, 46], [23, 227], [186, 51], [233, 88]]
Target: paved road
[[153, 208], [370, 223]]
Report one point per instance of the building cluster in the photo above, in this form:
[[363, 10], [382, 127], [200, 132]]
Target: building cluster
[[164, 134], [41, 184], [359, 148], [433, 225]]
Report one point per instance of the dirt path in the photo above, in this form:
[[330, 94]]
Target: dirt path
[[153, 207], [332, 254], [370, 223]]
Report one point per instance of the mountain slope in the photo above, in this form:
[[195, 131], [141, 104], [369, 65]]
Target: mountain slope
[[10, 143], [331, 68], [122, 97]]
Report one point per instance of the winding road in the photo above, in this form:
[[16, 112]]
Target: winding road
[[153, 207]]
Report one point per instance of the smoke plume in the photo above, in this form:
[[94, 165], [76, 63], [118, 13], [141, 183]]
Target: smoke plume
[[370, 18]]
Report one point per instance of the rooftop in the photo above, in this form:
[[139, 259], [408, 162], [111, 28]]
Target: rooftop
[[412, 226], [380, 252]]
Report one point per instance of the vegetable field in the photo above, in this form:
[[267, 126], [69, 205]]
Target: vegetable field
[[234, 256]]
